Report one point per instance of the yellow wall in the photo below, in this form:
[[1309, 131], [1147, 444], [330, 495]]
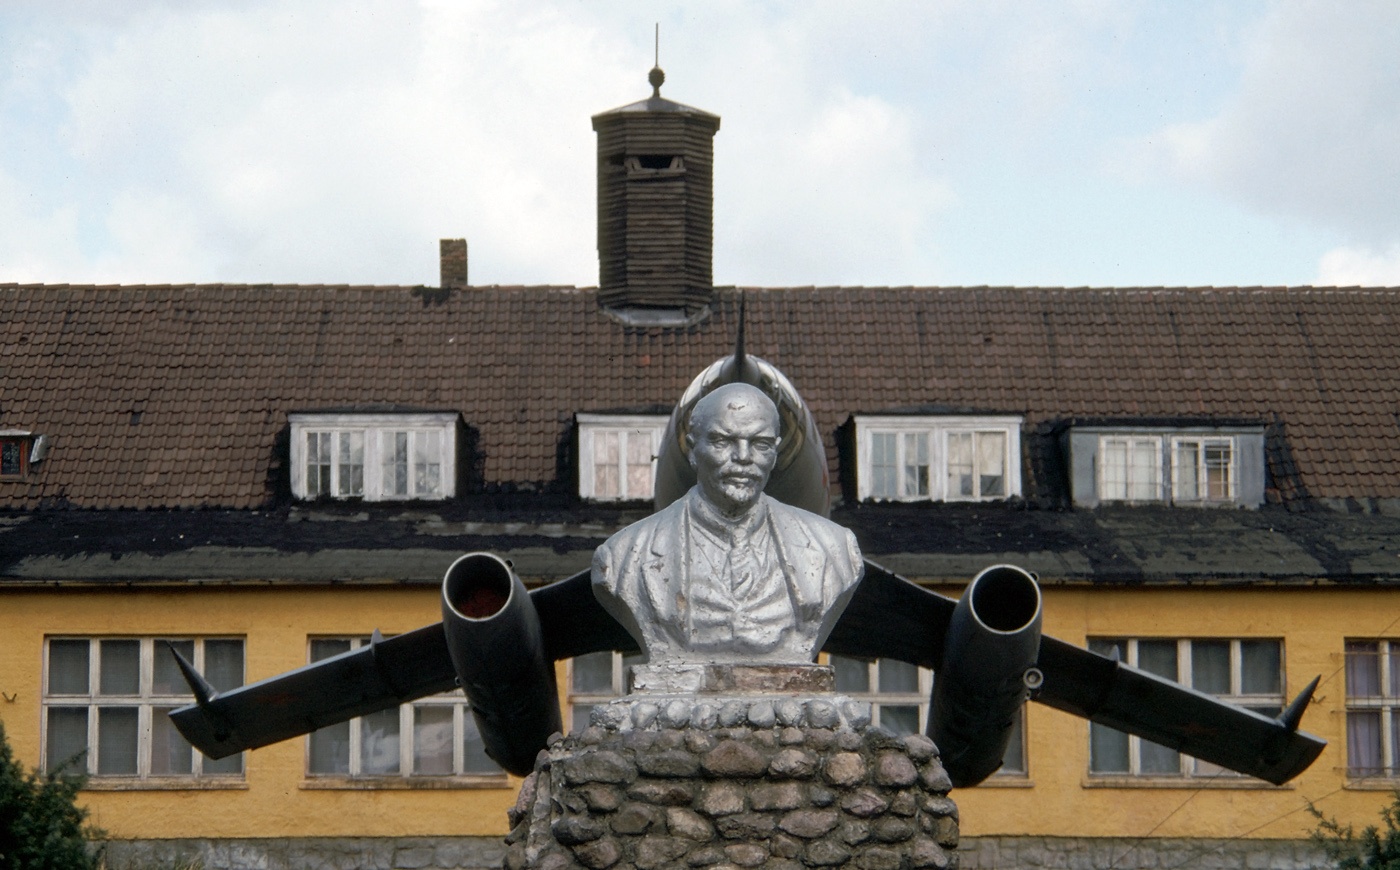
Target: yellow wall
[[276, 623], [277, 620]]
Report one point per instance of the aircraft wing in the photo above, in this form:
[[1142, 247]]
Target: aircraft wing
[[888, 617], [891, 617], [381, 674], [378, 675]]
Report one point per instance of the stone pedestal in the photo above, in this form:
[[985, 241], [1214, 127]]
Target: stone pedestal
[[658, 783]]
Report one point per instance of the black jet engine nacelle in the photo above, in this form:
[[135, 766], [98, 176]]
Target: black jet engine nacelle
[[988, 672], [497, 648]]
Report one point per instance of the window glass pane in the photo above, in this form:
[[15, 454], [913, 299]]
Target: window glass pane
[[884, 469], [318, 463], [11, 457], [638, 464], [607, 451], [1185, 466], [960, 467], [351, 458], [592, 674], [1363, 665], [223, 664], [1114, 456], [395, 463], [233, 764], [330, 749], [1157, 759], [116, 741], [991, 464], [120, 667], [474, 757], [379, 742], [852, 675], [1260, 667], [1014, 759], [167, 679], [1395, 673], [1159, 657], [68, 667], [1219, 483], [580, 715], [1210, 666], [900, 719], [324, 648], [897, 676], [432, 739], [427, 463], [170, 753], [1108, 749], [1394, 744], [67, 738], [1143, 471], [915, 463], [1364, 742]]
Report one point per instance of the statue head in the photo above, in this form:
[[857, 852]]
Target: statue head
[[733, 446]]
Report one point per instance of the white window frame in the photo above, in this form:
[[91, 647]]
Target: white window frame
[[1190, 768], [627, 426], [1167, 487], [1204, 443], [23, 441], [462, 722], [581, 700], [922, 698], [148, 705], [937, 431], [1386, 706], [1129, 442], [438, 429]]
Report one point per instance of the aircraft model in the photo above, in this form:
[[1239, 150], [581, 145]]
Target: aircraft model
[[499, 642]]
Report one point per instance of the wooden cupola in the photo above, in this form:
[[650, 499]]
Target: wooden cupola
[[655, 205]]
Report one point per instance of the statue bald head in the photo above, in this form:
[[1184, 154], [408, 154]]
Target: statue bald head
[[733, 443]]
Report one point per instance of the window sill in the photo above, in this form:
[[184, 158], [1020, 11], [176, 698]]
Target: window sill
[[403, 783], [164, 783], [1186, 782], [1373, 783], [1007, 780]]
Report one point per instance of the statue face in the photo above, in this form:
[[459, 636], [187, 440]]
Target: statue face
[[734, 446]]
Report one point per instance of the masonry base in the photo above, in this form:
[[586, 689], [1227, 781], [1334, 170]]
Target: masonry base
[[487, 853]]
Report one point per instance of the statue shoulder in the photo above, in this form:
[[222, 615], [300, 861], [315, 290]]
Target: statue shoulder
[[645, 529], [830, 536]]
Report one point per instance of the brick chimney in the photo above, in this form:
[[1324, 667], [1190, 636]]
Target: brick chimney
[[655, 205], [452, 262]]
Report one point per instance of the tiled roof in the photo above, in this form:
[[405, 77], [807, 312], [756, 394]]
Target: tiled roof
[[175, 396], [1115, 544]]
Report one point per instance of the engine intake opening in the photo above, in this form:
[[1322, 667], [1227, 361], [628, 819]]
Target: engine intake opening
[[1005, 598], [477, 586]]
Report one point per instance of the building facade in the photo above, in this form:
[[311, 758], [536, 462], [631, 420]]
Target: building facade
[[1206, 481]]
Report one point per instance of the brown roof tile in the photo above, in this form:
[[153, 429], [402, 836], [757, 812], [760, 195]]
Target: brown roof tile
[[212, 370]]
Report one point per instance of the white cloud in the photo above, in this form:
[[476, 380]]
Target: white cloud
[[319, 141], [1313, 130], [1359, 267]]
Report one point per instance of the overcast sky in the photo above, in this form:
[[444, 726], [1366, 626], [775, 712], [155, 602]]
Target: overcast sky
[[929, 143]]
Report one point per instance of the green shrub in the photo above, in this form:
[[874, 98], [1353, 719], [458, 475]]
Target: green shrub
[[1373, 849], [41, 826]]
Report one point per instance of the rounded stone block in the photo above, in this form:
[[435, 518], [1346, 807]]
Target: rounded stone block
[[741, 796]]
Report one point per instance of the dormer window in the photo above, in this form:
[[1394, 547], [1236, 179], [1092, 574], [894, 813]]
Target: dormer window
[[375, 457], [18, 451], [923, 458], [1188, 465], [617, 455]]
